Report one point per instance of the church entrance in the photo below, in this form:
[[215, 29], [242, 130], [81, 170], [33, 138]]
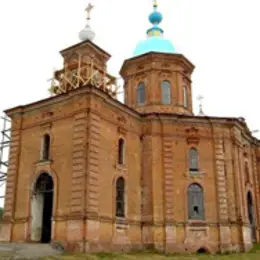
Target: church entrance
[[41, 209], [251, 218]]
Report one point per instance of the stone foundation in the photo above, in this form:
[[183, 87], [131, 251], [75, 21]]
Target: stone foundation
[[114, 237], [5, 234]]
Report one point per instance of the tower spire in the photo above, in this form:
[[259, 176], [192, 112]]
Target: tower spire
[[87, 33]]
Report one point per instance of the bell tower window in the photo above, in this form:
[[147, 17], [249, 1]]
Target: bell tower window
[[166, 92]]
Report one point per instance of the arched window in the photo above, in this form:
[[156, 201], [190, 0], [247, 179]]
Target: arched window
[[120, 197], [193, 159], [46, 147], [185, 97], [195, 202], [141, 93], [121, 151], [166, 92], [247, 180]]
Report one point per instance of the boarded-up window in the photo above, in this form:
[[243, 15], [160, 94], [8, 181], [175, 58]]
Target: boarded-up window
[[193, 159]]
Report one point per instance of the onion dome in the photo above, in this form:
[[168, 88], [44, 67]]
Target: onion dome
[[87, 33], [155, 41]]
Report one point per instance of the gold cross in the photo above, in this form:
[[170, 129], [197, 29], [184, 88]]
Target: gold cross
[[88, 10], [155, 4]]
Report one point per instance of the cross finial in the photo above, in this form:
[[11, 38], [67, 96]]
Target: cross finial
[[155, 4], [88, 10], [87, 33], [200, 98]]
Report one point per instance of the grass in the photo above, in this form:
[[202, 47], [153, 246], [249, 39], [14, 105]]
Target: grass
[[147, 256], [254, 254]]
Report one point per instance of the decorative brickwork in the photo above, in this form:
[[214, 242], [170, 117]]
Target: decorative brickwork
[[222, 194], [79, 163], [170, 230], [168, 177], [93, 163], [147, 193], [221, 179], [256, 188]]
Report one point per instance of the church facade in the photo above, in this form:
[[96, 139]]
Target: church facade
[[99, 175]]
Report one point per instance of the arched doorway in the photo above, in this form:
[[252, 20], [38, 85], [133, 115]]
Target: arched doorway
[[251, 215], [41, 210]]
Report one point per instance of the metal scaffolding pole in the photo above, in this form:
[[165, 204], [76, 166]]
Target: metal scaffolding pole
[[5, 140]]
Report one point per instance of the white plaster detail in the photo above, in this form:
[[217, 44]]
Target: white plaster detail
[[225, 235], [197, 235], [170, 234], [93, 230], [37, 214], [247, 235]]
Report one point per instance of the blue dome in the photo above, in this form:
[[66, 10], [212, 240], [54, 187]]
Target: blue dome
[[155, 17], [154, 44]]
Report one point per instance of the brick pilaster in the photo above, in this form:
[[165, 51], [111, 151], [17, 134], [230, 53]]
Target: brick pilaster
[[237, 171], [79, 163], [93, 164], [170, 230], [168, 177], [256, 188], [147, 193], [229, 171], [221, 180], [222, 195]]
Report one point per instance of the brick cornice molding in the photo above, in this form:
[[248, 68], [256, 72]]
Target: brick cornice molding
[[177, 59], [235, 141]]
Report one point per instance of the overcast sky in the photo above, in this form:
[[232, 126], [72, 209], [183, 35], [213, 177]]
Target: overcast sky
[[220, 37]]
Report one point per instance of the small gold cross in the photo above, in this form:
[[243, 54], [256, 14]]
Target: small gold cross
[[155, 4]]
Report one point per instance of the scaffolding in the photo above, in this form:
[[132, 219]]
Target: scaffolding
[[5, 140], [81, 72]]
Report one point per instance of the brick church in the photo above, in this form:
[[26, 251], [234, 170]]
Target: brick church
[[97, 174]]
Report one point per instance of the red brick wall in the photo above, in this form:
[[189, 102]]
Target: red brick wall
[[85, 128]]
